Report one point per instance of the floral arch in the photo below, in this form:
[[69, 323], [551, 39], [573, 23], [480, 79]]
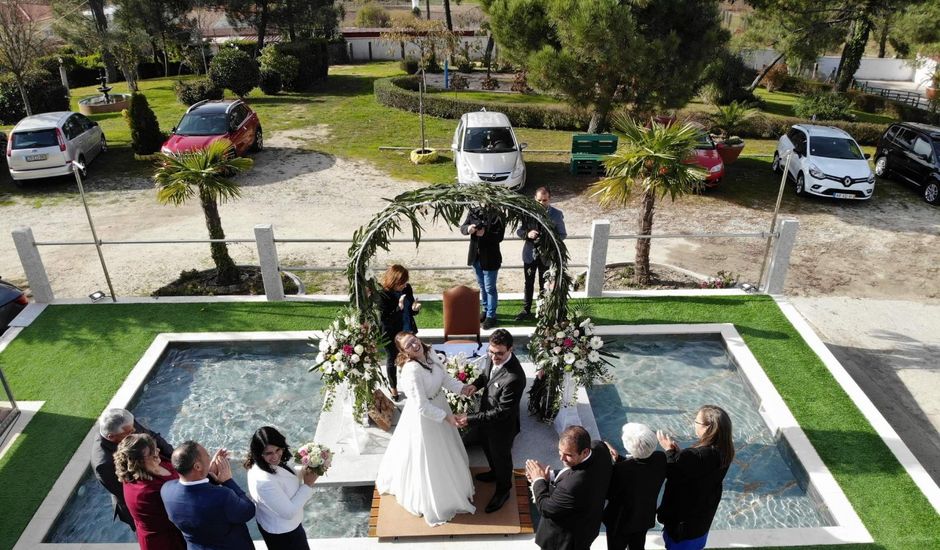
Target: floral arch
[[349, 350]]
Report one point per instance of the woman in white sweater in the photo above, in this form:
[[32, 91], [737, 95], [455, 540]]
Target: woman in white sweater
[[278, 493]]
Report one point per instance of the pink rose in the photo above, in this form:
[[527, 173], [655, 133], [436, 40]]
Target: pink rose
[[347, 349], [568, 343], [462, 376], [302, 452]]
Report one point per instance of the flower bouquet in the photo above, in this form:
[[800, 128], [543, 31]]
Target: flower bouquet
[[348, 355], [313, 456], [464, 370]]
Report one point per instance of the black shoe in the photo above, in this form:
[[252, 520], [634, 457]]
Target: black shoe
[[396, 397], [486, 477], [524, 315], [482, 316], [489, 323], [497, 502]]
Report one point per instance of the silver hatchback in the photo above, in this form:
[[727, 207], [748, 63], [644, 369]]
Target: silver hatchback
[[46, 145]]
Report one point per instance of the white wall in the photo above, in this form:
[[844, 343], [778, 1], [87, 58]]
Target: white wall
[[871, 68], [385, 50]]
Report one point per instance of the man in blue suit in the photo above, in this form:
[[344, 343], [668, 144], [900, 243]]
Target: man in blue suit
[[205, 503]]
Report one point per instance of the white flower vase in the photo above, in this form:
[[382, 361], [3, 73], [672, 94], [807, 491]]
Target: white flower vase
[[568, 413], [354, 425]]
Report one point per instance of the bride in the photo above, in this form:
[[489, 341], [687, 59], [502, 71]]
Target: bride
[[426, 466]]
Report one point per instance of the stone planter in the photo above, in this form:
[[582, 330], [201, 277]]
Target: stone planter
[[729, 153]]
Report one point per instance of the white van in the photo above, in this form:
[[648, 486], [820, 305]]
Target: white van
[[46, 145]]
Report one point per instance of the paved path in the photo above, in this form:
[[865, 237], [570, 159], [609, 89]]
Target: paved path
[[891, 349]]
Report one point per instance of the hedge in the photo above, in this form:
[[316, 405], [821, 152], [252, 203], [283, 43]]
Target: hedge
[[772, 127], [45, 91], [401, 93]]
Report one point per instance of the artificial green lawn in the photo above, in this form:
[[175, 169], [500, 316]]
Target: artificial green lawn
[[75, 358]]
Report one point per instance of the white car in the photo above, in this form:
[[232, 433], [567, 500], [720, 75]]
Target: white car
[[46, 145], [486, 151], [825, 161]]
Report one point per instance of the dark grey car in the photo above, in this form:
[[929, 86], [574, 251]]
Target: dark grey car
[[12, 302], [910, 152]]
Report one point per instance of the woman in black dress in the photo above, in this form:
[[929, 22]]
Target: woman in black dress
[[397, 308], [694, 479]]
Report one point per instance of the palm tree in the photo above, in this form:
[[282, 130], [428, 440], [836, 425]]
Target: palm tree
[[205, 173], [652, 161]]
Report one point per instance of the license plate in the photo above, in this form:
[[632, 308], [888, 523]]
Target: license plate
[[843, 195], [34, 158]]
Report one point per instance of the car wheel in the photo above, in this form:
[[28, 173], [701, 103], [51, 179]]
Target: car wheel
[[83, 171], [801, 185], [104, 144], [932, 192], [258, 144], [881, 167], [775, 167]]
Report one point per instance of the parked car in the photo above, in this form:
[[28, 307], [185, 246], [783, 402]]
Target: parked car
[[486, 150], [706, 156], [46, 145], [826, 162], [209, 121], [911, 152], [12, 302]]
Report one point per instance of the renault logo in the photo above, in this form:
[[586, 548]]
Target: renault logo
[[847, 181]]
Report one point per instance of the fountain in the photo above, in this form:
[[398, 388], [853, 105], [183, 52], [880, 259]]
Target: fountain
[[104, 103]]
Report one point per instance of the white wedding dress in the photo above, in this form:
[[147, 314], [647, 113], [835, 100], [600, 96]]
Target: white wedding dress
[[426, 466]]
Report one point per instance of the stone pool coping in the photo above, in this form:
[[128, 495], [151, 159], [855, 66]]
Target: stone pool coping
[[849, 528]]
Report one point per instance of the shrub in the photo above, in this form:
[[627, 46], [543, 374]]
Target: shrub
[[772, 127], [234, 70], [489, 83], [313, 62], [824, 106], [728, 118], [867, 103], [433, 65], [371, 15], [775, 77], [194, 91], [464, 65], [270, 82], [273, 60], [520, 83], [409, 65], [146, 137], [78, 74], [401, 93], [45, 92], [727, 78], [459, 82]]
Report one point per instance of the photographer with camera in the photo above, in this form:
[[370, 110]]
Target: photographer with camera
[[531, 231], [486, 229]]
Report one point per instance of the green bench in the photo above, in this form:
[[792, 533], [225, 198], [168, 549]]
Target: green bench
[[588, 152]]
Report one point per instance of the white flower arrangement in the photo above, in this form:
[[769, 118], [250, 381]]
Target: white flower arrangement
[[464, 370], [349, 354], [313, 456]]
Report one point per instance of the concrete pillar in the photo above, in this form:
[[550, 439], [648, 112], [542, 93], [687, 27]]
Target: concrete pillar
[[780, 256], [32, 265], [267, 257], [597, 257]]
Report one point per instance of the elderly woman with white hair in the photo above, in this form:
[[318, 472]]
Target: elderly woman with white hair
[[634, 488], [114, 425]]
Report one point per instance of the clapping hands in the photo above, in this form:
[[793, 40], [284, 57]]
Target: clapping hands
[[219, 467], [535, 470]]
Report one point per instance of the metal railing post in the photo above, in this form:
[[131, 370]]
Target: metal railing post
[[597, 257], [780, 259], [32, 265], [267, 257]]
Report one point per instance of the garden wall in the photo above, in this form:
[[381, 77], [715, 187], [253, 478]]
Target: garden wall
[[871, 68]]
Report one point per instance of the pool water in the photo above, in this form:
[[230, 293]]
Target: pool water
[[218, 395], [662, 382]]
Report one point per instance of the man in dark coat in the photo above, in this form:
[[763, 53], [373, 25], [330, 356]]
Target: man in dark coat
[[571, 502], [634, 489], [532, 232], [113, 426], [486, 229], [496, 423], [205, 503]]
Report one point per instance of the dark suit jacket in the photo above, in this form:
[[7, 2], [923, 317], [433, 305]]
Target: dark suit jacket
[[500, 397], [102, 462], [694, 478], [211, 517], [572, 506], [485, 248], [631, 500]]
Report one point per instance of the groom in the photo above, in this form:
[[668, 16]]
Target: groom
[[496, 424]]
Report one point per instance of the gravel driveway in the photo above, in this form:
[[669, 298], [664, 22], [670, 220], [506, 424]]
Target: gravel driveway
[[885, 249]]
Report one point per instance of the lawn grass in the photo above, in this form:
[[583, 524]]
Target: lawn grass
[[75, 357], [782, 104]]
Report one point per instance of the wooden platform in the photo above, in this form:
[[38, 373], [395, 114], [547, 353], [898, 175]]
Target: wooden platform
[[388, 520]]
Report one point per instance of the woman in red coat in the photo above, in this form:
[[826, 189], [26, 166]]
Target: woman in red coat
[[139, 467]]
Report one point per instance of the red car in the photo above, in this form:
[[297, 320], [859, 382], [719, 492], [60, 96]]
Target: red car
[[208, 121], [706, 156]]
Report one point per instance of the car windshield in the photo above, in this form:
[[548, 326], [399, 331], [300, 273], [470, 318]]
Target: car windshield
[[835, 148], [704, 141], [34, 139], [203, 124], [488, 140]]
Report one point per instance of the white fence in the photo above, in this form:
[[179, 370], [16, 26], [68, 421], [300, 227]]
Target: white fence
[[367, 45], [777, 259], [871, 68]]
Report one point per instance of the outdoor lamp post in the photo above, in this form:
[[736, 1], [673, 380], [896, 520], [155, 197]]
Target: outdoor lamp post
[[77, 168]]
